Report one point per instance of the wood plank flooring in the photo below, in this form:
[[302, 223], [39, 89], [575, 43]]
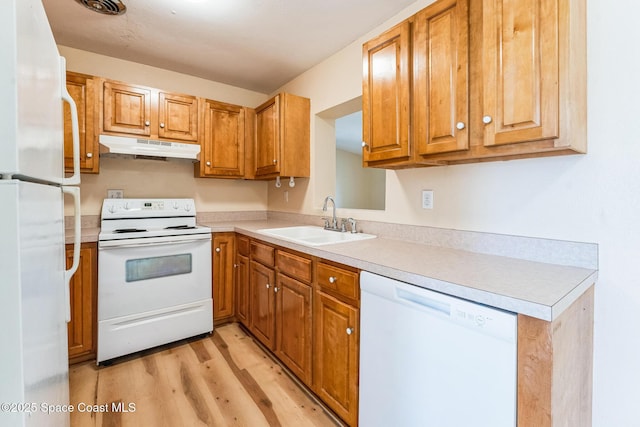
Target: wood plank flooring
[[221, 380]]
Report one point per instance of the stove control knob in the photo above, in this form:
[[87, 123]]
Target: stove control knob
[[175, 205], [187, 207], [112, 209], [126, 206]]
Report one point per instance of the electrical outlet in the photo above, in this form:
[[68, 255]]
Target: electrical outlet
[[115, 194], [427, 199]]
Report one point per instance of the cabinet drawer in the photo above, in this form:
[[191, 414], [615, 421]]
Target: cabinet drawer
[[339, 281], [262, 253], [243, 245], [294, 266]]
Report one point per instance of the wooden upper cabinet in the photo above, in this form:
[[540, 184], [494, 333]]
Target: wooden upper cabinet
[[81, 87], [127, 109], [177, 116], [441, 77], [386, 92], [222, 140], [521, 71], [148, 112], [282, 137]]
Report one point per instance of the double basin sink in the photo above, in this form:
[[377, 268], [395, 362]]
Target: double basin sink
[[310, 235]]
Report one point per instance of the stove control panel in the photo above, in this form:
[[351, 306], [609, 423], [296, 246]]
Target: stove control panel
[[145, 208]]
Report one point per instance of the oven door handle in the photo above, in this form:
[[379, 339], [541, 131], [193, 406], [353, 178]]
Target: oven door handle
[[118, 244]]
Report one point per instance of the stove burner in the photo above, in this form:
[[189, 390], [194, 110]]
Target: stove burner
[[180, 227], [129, 230]]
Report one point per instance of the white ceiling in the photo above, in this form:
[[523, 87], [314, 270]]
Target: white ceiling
[[252, 44]]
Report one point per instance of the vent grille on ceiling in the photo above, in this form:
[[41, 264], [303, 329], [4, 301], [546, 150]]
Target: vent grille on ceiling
[[106, 7]]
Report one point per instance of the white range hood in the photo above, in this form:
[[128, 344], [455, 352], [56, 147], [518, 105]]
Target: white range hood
[[148, 147]]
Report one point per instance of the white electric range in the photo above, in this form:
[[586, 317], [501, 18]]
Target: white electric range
[[154, 275]]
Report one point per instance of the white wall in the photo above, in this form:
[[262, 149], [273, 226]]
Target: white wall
[[150, 178], [592, 198]]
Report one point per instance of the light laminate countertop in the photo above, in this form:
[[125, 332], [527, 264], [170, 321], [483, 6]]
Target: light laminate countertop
[[531, 288]]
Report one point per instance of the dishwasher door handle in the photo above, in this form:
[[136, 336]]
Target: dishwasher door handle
[[423, 301]]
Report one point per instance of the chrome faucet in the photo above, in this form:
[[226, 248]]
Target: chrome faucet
[[334, 220]]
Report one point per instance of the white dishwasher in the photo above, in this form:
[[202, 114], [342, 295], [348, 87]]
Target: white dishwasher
[[432, 360]]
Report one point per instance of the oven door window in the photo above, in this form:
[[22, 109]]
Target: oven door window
[[154, 267]]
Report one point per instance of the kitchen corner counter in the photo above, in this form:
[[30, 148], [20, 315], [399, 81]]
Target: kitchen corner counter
[[535, 289]]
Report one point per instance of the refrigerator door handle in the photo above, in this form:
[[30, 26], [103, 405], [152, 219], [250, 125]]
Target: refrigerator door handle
[[68, 274], [75, 131]]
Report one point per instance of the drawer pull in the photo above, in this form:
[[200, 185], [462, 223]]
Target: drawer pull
[[333, 279]]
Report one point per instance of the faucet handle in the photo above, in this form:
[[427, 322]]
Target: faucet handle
[[326, 222], [343, 225], [352, 222]]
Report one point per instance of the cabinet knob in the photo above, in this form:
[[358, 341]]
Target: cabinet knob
[[349, 331], [147, 123], [275, 161], [275, 289], [208, 163], [89, 155], [235, 265], [333, 279], [218, 250], [460, 125], [162, 125], [365, 145], [268, 286], [486, 120]]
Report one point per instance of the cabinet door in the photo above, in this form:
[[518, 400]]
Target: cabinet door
[[335, 366], [268, 137], [81, 330], [81, 88], [223, 140], [262, 319], [441, 68], [242, 289], [386, 95], [127, 109], [521, 71], [178, 117], [223, 255], [293, 320]]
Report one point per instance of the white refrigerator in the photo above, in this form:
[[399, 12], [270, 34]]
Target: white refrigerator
[[34, 284]]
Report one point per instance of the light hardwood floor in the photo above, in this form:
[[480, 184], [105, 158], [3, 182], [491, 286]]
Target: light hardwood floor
[[221, 380]]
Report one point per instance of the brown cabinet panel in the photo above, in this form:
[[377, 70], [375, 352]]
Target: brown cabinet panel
[[81, 87], [295, 266], [441, 69], [178, 117], [262, 318], [282, 135], [262, 253], [243, 245], [222, 141], [223, 252], [242, 289], [127, 109], [293, 320], [340, 282], [386, 95], [521, 70], [82, 330], [336, 352]]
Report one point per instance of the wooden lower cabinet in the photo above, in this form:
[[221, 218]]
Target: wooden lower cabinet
[[262, 303], [336, 355], [223, 253], [293, 320], [241, 267], [81, 330]]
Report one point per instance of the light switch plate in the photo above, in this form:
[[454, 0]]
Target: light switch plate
[[427, 199], [115, 194]]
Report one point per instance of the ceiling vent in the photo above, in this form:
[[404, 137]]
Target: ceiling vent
[[105, 7]]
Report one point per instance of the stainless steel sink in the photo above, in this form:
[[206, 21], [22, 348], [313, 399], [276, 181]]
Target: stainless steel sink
[[314, 236]]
